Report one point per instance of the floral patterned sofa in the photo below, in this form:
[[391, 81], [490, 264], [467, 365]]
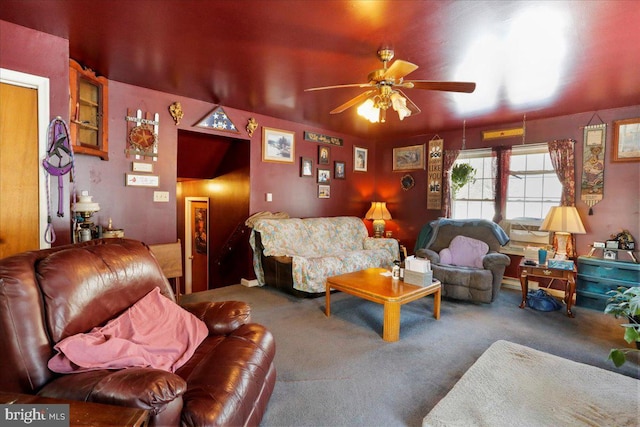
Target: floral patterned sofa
[[297, 255]]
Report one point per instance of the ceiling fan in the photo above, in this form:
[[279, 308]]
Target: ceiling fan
[[385, 86]]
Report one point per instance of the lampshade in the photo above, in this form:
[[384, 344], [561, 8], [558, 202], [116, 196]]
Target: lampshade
[[378, 213], [369, 111], [563, 219], [378, 210]]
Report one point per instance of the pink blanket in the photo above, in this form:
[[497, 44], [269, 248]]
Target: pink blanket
[[154, 332]]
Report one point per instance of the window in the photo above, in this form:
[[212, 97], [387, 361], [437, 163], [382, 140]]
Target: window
[[533, 186], [532, 190], [476, 199]]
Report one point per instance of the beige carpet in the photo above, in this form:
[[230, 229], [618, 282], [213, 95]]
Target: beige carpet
[[511, 384]]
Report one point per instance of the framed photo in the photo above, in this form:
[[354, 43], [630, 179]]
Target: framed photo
[[323, 155], [408, 158], [339, 170], [626, 140], [360, 159], [324, 176], [277, 145], [306, 166], [611, 244], [608, 254], [324, 191]]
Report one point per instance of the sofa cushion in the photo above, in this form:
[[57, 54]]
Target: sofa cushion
[[154, 332], [464, 251]]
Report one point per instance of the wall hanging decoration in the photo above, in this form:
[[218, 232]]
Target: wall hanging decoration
[[407, 182], [252, 125], [58, 162], [504, 133], [325, 139], [277, 145], [175, 110], [593, 165], [626, 140], [142, 134], [408, 158], [217, 119], [324, 191], [434, 173], [323, 155]]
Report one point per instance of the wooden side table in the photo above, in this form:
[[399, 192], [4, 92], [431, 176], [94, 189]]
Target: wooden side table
[[542, 271], [86, 413]]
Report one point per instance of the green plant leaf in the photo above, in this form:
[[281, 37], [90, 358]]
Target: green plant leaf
[[617, 356], [631, 334]]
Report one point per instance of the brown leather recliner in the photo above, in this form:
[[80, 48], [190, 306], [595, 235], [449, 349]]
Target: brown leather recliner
[[51, 294]]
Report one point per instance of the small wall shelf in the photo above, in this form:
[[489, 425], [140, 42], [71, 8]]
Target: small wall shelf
[[88, 111]]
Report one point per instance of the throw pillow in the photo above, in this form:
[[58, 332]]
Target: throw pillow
[[464, 251], [155, 332]]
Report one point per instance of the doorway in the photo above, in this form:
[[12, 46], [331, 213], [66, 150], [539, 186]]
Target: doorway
[[24, 113], [196, 244]]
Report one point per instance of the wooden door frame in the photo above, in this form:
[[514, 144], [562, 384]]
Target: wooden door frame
[[41, 85], [188, 241]]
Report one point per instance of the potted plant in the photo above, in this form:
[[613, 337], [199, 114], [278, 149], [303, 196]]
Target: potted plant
[[625, 302], [461, 175]]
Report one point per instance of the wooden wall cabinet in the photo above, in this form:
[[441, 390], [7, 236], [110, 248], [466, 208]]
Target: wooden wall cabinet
[[88, 111]]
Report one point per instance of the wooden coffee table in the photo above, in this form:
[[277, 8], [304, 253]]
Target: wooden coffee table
[[371, 285]]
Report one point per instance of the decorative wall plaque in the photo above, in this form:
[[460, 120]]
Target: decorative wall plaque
[[434, 174], [218, 120], [142, 134]]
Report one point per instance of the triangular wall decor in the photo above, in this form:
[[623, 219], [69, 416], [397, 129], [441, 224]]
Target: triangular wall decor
[[217, 119]]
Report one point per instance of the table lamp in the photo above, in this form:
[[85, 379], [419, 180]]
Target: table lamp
[[564, 221], [378, 213]]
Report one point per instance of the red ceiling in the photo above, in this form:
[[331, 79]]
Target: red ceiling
[[259, 55]]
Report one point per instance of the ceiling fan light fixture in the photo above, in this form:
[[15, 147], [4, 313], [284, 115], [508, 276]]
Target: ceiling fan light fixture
[[369, 111], [399, 104]]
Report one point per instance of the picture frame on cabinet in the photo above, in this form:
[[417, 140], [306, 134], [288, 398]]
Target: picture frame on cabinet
[[626, 140], [608, 254]]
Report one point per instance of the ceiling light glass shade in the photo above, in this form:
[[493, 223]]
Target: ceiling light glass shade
[[368, 110], [400, 105]]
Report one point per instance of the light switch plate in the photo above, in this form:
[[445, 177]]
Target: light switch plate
[[160, 196]]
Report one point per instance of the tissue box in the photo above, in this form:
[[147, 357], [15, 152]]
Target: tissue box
[[562, 264], [416, 278]]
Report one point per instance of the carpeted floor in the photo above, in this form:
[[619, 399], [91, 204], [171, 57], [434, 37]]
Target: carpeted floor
[[338, 371]]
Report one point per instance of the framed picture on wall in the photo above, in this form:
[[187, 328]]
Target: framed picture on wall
[[323, 155], [339, 170], [324, 191], [324, 176], [360, 159], [306, 166], [408, 158], [626, 140], [277, 145]]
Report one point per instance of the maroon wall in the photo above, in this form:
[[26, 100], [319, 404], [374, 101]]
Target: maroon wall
[[133, 209], [618, 210]]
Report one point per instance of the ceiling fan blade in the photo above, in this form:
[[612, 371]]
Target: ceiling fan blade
[[339, 86], [353, 101], [410, 105], [399, 69], [466, 87]]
